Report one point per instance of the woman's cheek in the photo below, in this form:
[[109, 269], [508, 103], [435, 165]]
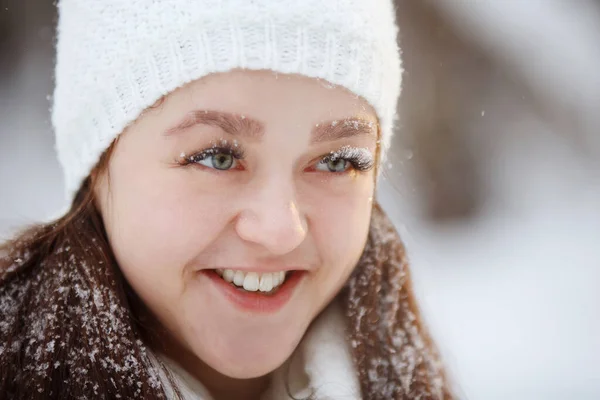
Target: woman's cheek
[[167, 225], [340, 225]]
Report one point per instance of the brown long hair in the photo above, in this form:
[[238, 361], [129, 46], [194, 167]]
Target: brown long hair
[[70, 327]]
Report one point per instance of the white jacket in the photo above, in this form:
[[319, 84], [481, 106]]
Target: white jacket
[[324, 366]]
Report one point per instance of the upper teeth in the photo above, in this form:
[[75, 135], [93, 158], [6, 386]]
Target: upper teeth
[[253, 281]]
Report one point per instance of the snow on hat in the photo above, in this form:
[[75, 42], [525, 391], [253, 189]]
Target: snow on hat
[[115, 58]]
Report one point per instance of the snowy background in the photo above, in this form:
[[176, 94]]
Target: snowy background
[[493, 182]]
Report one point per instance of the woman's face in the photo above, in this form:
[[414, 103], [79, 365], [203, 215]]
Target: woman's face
[[231, 183]]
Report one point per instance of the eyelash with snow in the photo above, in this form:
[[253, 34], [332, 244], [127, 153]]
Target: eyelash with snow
[[361, 159], [222, 148]]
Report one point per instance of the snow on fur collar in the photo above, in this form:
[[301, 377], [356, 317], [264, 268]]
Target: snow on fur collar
[[322, 365]]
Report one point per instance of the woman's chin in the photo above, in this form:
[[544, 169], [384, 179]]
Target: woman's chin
[[250, 371], [244, 356], [240, 345], [248, 366]]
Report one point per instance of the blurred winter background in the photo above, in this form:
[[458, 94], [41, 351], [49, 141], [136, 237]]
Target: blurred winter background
[[494, 180]]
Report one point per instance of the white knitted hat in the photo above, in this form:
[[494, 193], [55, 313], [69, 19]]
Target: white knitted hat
[[115, 58]]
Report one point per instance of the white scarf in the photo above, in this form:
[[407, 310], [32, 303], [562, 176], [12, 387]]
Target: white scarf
[[324, 367]]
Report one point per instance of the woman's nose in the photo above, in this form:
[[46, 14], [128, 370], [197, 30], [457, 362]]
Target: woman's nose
[[270, 217]]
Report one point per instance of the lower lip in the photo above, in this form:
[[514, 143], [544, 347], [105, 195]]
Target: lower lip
[[257, 302]]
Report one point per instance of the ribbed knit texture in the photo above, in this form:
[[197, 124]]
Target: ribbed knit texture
[[115, 58]]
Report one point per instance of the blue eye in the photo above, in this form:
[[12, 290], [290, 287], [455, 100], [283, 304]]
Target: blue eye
[[220, 161], [222, 158], [333, 165]]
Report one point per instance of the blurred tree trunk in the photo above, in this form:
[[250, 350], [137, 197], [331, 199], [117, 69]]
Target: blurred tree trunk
[[442, 84], [460, 57]]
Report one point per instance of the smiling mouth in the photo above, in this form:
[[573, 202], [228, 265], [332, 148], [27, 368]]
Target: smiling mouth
[[254, 293], [267, 283]]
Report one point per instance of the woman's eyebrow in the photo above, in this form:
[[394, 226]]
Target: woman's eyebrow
[[344, 128], [233, 124], [250, 128]]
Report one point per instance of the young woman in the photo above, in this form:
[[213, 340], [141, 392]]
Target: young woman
[[222, 239]]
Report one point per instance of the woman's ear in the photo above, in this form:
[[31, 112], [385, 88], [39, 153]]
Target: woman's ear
[[95, 182], [100, 176]]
